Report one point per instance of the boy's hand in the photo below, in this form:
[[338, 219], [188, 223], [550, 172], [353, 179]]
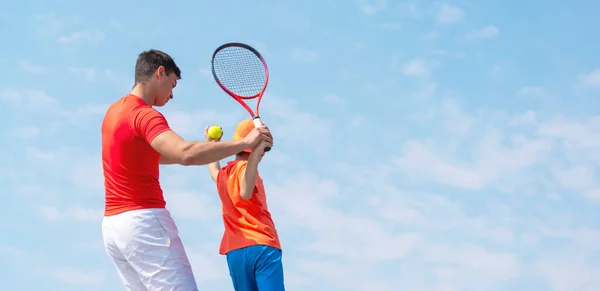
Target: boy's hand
[[260, 148], [208, 138]]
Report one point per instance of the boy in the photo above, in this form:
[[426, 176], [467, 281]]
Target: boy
[[250, 240]]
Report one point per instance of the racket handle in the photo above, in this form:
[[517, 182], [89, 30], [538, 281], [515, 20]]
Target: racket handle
[[258, 123]]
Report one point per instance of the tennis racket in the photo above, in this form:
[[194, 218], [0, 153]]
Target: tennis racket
[[241, 71]]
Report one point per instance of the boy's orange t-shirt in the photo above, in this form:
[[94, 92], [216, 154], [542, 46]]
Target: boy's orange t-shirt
[[247, 222]]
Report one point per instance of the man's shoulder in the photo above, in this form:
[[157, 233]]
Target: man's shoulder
[[146, 111], [135, 110]]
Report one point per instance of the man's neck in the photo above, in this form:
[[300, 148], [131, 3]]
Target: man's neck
[[143, 91]]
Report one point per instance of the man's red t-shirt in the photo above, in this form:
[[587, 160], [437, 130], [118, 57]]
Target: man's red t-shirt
[[130, 164]]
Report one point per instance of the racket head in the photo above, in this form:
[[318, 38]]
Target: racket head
[[240, 70]]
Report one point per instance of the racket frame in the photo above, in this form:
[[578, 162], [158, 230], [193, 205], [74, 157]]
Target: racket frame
[[240, 99]]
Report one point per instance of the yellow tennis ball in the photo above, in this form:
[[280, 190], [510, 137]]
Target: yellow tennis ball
[[215, 131]]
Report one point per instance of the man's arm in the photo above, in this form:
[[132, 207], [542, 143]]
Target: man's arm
[[173, 147], [152, 126], [164, 161]]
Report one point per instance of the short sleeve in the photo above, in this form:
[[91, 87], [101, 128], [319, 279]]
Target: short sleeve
[[233, 183], [149, 123]]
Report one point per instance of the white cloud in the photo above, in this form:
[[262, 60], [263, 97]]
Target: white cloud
[[13, 252], [86, 173], [448, 14], [27, 66], [205, 73], [485, 32], [28, 132], [31, 98], [333, 99], [495, 155], [418, 67], [533, 91], [88, 73], [458, 54], [82, 36], [490, 265], [115, 24], [591, 79], [417, 160], [455, 120], [428, 90], [370, 7], [390, 26], [71, 213], [430, 35], [566, 273], [304, 55], [293, 126], [77, 276], [49, 24], [192, 205], [208, 266]]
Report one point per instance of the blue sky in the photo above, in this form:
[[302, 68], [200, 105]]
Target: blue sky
[[420, 145]]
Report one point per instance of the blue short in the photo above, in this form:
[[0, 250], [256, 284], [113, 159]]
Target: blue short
[[256, 268]]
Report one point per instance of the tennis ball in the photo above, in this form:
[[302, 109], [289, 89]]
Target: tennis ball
[[215, 132]]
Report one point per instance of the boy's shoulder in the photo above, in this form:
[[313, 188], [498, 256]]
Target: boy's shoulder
[[233, 165]]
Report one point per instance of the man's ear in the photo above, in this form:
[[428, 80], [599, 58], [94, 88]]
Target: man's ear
[[160, 72]]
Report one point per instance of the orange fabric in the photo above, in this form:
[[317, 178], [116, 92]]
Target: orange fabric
[[247, 222], [129, 163], [242, 129]]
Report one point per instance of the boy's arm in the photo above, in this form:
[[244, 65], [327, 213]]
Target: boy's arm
[[248, 175], [213, 169]]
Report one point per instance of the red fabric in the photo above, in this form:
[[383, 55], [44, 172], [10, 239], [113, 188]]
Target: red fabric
[[130, 164]]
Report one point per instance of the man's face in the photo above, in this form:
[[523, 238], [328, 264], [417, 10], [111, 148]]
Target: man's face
[[164, 86]]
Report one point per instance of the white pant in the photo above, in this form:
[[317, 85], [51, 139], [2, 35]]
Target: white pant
[[147, 251]]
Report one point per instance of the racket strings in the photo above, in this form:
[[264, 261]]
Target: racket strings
[[240, 71]]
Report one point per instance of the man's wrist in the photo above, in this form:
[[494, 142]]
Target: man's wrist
[[241, 145]]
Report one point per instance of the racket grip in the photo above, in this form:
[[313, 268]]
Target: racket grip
[[258, 123]]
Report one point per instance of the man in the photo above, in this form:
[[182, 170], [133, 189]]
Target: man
[[250, 240], [139, 234]]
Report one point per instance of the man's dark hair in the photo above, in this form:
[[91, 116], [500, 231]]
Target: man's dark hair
[[148, 62]]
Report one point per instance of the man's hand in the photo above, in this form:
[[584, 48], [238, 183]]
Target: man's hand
[[208, 138], [257, 135]]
